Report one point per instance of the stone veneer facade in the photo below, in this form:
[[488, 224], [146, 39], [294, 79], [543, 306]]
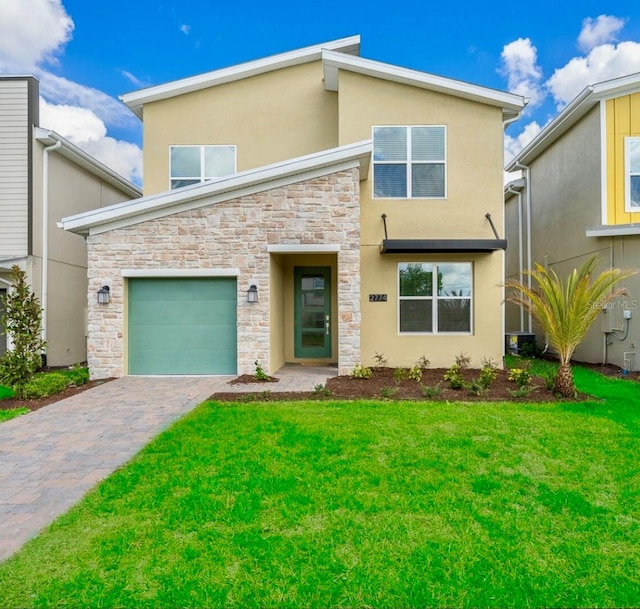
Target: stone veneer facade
[[226, 235]]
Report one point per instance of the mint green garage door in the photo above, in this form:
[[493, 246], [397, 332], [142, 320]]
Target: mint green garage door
[[182, 326]]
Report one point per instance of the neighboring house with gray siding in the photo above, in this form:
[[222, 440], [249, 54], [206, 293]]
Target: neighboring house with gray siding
[[44, 177], [579, 196]]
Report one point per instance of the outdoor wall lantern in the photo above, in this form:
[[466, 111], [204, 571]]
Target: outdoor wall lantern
[[252, 293], [103, 295]]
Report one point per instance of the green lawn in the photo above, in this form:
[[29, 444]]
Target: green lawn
[[327, 504]]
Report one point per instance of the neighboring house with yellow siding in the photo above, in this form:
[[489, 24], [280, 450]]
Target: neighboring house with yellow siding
[[579, 195], [310, 207]]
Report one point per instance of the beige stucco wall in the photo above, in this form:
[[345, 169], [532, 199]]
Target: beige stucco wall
[[474, 187], [236, 234], [270, 117]]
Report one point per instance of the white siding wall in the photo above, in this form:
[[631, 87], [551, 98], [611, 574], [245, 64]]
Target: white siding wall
[[14, 171]]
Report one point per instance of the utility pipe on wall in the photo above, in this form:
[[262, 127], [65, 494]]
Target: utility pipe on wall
[[527, 181], [45, 236]]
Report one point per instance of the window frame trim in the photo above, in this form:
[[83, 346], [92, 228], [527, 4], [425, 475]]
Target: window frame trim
[[628, 140], [435, 298], [408, 163], [202, 148]]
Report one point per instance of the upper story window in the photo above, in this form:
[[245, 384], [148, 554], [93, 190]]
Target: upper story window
[[632, 173], [195, 164], [434, 298], [409, 162]]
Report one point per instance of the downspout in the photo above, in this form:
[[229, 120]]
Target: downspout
[[520, 253], [45, 240], [527, 181]]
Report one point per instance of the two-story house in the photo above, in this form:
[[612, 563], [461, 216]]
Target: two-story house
[[313, 206], [42, 178], [579, 196]]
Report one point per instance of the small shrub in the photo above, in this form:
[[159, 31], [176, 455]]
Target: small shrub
[[321, 390], [388, 392], [46, 384], [260, 374], [435, 391], [6, 392], [423, 362], [400, 374], [475, 387], [520, 392], [463, 361], [380, 359], [415, 373], [77, 375], [521, 377], [454, 377], [22, 320], [549, 377], [488, 373], [360, 372]]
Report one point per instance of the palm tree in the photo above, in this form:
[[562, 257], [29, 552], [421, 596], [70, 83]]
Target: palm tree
[[566, 310]]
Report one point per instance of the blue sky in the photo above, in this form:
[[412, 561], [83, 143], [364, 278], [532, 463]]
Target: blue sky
[[86, 53]]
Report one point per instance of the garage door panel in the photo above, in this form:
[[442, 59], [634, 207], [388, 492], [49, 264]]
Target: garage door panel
[[182, 326]]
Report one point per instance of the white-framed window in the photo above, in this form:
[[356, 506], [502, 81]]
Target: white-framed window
[[632, 173], [435, 297], [195, 164], [410, 162]]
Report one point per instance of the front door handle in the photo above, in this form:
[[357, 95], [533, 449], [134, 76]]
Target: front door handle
[[326, 325]]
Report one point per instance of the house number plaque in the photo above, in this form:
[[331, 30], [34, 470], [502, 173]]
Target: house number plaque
[[377, 298]]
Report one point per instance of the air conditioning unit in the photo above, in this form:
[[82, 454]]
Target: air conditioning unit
[[515, 341]]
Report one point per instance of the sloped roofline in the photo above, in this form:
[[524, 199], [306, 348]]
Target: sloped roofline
[[215, 191], [136, 99], [333, 62], [575, 110], [86, 161]]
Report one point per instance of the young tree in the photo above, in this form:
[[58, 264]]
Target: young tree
[[22, 320], [567, 309]]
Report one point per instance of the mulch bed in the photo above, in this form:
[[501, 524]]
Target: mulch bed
[[37, 403], [382, 384]]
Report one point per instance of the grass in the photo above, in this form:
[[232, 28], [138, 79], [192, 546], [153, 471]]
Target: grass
[[5, 415], [308, 504]]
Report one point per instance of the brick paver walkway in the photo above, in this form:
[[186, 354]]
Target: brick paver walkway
[[51, 457]]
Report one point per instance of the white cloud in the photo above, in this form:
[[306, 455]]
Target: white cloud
[[31, 32], [185, 29], [519, 65], [87, 131], [79, 125], [602, 63], [513, 145], [124, 158], [599, 31], [134, 79], [63, 91]]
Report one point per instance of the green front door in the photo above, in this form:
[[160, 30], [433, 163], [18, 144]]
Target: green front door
[[312, 290]]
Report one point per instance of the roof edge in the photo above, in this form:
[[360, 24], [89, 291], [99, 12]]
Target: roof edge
[[136, 99], [510, 103], [576, 109], [86, 161], [223, 189]]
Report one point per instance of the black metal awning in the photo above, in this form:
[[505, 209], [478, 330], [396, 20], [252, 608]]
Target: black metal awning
[[426, 246]]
